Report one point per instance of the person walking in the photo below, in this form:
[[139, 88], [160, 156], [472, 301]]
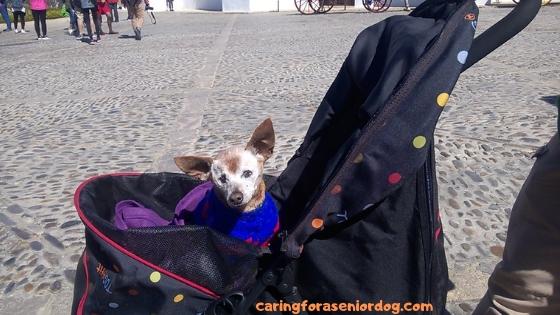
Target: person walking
[[18, 10], [136, 13], [5, 16], [90, 7], [103, 9], [39, 11], [113, 4]]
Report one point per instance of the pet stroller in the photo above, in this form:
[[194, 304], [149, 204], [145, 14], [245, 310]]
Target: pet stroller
[[358, 200]]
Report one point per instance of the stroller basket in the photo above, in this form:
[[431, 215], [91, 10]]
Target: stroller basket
[[190, 263]]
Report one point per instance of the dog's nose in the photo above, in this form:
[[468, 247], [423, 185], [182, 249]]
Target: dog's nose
[[236, 198]]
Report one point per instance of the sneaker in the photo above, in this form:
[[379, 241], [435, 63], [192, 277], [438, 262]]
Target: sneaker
[[45, 37], [98, 38], [23, 31], [91, 42], [8, 30], [16, 31], [138, 33], [79, 37]]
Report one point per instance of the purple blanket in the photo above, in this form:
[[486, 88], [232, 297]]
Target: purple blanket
[[131, 214]]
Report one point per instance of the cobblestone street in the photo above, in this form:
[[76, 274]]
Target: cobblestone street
[[198, 82]]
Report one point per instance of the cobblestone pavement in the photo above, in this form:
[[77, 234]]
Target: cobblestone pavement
[[198, 82]]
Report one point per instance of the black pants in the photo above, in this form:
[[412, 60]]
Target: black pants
[[88, 21], [40, 15], [114, 11], [17, 15]]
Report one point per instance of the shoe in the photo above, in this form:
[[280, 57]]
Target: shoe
[[91, 42], [8, 30], [70, 32], [138, 33], [23, 31], [101, 33], [45, 37], [79, 37], [16, 31], [113, 33]]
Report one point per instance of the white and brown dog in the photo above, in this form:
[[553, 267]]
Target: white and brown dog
[[237, 204]]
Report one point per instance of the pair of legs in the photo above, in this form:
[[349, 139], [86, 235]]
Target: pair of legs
[[114, 11], [40, 16], [18, 15], [136, 13], [103, 9], [6, 17], [170, 5], [93, 12]]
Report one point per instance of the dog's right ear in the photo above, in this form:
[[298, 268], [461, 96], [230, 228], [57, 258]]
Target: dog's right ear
[[195, 166]]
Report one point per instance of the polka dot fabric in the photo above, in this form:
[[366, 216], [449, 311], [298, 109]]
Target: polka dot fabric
[[394, 144]]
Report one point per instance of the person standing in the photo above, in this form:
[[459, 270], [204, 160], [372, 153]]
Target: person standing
[[5, 16], [103, 9], [18, 10], [136, 13], [90, 7], [113, 4], [39, 11], [169, 5]]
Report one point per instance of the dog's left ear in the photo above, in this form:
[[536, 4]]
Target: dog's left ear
[[262, 140]]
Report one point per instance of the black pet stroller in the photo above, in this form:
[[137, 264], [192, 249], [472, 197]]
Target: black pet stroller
[[358, 201]]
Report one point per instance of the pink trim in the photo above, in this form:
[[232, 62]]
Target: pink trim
[[120, 248], [80, 309]]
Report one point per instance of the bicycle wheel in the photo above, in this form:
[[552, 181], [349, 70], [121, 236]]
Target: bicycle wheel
[[376, 5], [323, 6], [305, 6]]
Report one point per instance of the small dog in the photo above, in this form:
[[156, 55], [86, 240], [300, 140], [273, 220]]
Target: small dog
[[237, 204]]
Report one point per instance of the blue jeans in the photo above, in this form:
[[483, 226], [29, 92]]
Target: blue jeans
[[73, 18], [5, 16]]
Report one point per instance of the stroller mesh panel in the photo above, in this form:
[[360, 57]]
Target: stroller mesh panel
[[196, 253]]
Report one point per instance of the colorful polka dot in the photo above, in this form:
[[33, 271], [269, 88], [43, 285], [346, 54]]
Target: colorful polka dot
[[155, 277], [359, 158], [178, 298], [113, 305], [419, 142], [462, 56], [317, 223], [394, 178], [442, 99], [133, 292], [336, 189]]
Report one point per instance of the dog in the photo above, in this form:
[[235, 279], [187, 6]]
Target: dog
[[237, 203]]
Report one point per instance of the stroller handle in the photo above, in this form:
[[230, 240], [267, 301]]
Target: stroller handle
[[502, 31]]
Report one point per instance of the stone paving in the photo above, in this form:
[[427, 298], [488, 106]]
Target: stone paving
[[200, 81]]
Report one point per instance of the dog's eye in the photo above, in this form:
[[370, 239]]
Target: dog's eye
[[223, 179], [247, 174]]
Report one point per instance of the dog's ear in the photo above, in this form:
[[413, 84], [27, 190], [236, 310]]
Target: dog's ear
[[195, 166], [262, 141]]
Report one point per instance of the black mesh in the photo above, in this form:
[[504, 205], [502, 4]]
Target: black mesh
[[201, 255]]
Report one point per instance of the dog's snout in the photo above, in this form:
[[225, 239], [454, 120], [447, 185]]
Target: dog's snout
[[236, 198]]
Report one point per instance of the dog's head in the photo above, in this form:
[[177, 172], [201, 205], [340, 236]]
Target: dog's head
[[236, 172]]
